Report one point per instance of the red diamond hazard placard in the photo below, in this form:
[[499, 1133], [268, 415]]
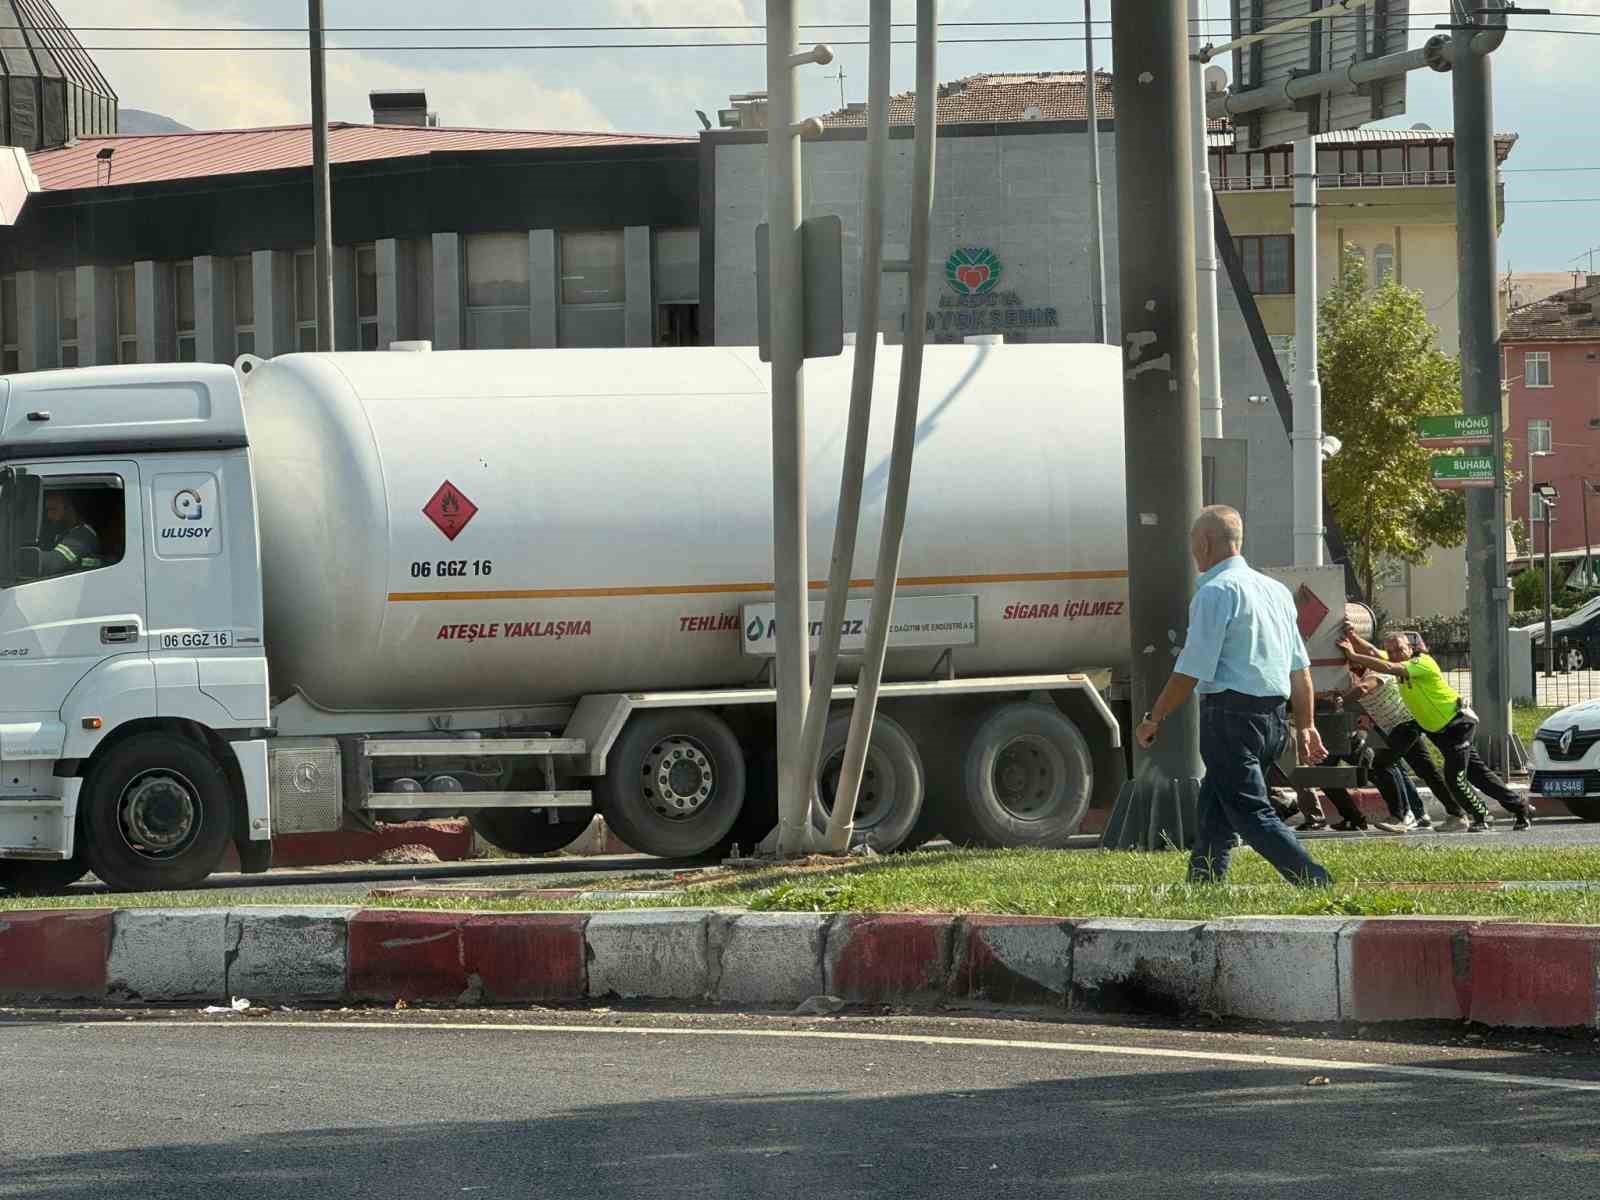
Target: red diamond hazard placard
[[449, 510], [1310, 610]]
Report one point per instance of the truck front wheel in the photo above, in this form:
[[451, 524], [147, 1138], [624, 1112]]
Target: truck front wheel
[[1028, 776], [674, 782], [155, 814]]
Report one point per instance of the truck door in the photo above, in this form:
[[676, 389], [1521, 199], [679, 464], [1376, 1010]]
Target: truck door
[[72, 591]]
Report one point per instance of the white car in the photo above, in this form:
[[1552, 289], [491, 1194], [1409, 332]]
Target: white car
[[1565, 757]]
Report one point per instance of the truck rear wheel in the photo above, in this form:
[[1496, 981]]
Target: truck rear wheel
[[529, 830], [155, 814], [25, 878], [674, 782], [890, 799], [1028, 776]]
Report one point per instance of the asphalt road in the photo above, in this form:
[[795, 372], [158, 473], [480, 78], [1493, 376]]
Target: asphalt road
[[427, 1105]]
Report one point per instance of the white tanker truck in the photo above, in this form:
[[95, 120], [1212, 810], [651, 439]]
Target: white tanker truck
[[327, 590]]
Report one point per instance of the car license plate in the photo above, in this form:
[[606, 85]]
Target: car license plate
[[1561, 785]]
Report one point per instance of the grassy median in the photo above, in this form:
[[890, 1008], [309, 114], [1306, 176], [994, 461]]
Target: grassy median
[[1392, 877]]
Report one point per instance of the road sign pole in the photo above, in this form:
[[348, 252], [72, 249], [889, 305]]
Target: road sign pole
[[1306, 438], [1161, 400], [1477, 308], [1205, 244], [1549, 634], [1097, 253], [321, 185]]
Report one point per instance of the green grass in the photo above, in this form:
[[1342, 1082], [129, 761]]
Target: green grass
[[1525, 720], [1081, 884]]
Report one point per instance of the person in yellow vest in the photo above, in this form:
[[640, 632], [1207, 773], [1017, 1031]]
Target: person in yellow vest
[[1447, 722]]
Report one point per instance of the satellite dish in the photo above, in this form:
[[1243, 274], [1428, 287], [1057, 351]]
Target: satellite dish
[[1216, 80], [1032, 113]]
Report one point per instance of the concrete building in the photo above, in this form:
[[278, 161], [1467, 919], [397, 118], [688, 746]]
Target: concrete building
[[1550, 354], [199, 245], [1012, 188]]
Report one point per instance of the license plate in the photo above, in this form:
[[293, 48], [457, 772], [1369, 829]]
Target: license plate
[[1561, 785], [200, 639]]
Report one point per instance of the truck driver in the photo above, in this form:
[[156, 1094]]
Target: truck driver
[[68, 542]]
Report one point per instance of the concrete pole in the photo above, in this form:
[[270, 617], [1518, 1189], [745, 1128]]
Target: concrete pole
[[1488, 599], [787, 308], [1549, 583], [903, 448], [1160, 391], [1204, 243], [321, 190], [1097, 225], [1307, 436]]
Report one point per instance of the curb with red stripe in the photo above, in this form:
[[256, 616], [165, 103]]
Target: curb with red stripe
[[1288, 969]]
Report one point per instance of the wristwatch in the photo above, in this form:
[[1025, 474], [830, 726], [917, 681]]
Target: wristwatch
[[1148, 719]]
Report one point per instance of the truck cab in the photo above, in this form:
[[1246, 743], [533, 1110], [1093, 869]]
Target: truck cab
[[133, 677]]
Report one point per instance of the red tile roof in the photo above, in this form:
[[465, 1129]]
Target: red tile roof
[[1569, 316], [151, 158]]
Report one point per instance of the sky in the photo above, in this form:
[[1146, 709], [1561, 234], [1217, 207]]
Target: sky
[[1544, 84]]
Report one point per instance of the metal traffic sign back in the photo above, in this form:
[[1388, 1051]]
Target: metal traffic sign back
[[1358, 30]]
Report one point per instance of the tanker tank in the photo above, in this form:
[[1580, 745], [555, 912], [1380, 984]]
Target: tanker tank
[[485, 528]]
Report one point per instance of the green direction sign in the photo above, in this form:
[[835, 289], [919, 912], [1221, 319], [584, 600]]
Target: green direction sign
[[1463, 470], [1456, 429]]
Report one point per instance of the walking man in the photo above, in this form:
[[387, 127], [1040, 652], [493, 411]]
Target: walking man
[[1437, 709], [1245, 656]]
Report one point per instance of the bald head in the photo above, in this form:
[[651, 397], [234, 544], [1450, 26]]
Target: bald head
[[1217, 533]]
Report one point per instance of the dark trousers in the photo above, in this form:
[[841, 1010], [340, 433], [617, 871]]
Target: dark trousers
[[1466, 767], [1400, 795], [1405, 745], [1240, 738]]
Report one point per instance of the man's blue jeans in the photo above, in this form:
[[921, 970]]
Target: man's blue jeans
[[1240, 736]]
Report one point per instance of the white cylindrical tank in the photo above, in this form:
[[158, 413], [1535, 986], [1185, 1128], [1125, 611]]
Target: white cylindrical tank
[[498, 528]]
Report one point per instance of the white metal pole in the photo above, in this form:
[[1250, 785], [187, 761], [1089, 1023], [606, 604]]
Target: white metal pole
[[1307, 437], [1205, 243], [903, 447], [786, 305], [1097, 225]]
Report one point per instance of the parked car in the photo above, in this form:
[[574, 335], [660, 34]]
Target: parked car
[[1576, 637], [1565, 757]]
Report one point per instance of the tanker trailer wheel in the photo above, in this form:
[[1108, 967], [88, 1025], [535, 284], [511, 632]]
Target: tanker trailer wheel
[[24, 878], [529, 831], [1586, 808], [890, 799], [674, 782], [155, 813], [1028, 777]]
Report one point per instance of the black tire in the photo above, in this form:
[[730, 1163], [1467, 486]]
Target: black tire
[[155, 814], [674, 783], [40, 878], [1585, 808], [1028, 777], [890, 799], [758, 816], [529, 831]]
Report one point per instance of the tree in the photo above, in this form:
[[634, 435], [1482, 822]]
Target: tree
[[1381, 370]]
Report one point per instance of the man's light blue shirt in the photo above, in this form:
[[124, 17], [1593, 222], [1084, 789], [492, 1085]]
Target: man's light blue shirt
[[1244, 633]]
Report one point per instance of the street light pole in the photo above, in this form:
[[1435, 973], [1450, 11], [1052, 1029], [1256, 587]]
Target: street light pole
[[321, 186], [1549, 637]]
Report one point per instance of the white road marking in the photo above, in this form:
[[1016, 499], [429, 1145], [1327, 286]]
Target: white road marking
[[1454, 1075]]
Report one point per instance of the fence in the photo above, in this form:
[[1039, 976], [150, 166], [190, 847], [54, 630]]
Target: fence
[[1570, 683]]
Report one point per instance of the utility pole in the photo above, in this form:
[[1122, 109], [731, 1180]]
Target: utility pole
[[1161, 399], [1476, 233], [321, 191], [1097, 227], [1205, 243], [1549, 597], [1306, 437]]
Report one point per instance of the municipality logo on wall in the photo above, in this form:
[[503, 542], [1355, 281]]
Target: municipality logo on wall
[[973, 270]]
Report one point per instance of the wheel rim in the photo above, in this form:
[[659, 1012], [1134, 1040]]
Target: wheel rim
[[160, 814], [1029, 774], [678, 778], [874, 798]]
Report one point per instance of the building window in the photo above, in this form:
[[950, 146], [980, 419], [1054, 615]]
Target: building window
[[593, 289], [1538, 443], [1268, 263], [12, 344], [367, 297], [244, 306], [67, 317], [127, 315], [498, 292], [675, 270], [183, 305], [305, 301], [1383, 263], [1536, 369]]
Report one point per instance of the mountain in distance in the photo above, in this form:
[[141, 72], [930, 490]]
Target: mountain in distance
[[136, 120]]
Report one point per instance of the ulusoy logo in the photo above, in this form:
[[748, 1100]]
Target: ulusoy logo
[[186, 505], [973, 270]]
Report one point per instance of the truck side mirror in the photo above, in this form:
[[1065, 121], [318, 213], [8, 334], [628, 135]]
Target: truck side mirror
[[21, 517], [27, 564]]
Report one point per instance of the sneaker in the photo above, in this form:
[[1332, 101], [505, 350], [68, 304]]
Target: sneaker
[[1350, 827], [1480, 827], [1422, 824], [1453, 825], [1392, 826], [1524, 815], [1310, 825]]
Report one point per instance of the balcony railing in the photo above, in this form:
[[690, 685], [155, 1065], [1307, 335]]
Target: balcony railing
[[1267, 183]]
